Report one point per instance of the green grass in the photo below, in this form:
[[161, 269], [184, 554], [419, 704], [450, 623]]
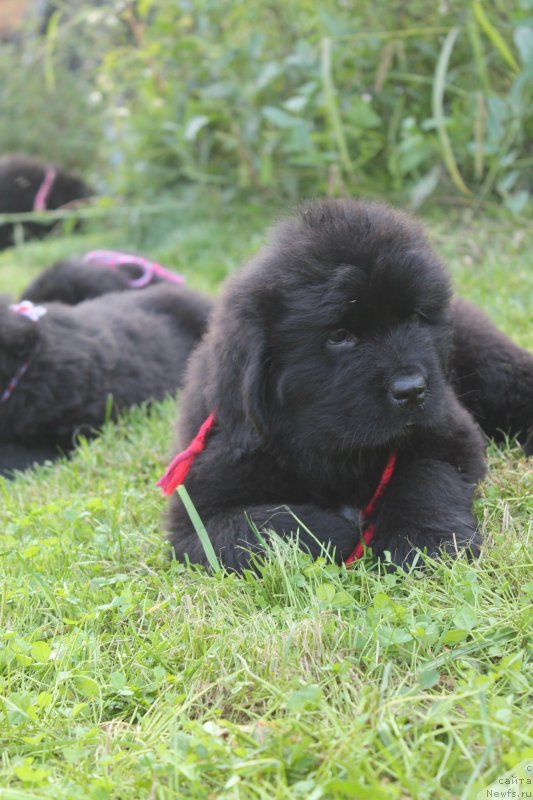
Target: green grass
[[127, 675]]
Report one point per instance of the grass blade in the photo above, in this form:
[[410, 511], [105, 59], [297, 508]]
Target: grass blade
[[330, 97], [199, 527], [495, 36], [479, 56], [49, 46], [437, 102]]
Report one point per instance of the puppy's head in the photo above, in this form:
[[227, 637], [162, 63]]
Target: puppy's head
[[72, 281], [336, 336]]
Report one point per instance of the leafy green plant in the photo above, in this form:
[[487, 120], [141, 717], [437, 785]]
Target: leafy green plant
[[49, 104], [57, 123], [285, 99], [298, 98]]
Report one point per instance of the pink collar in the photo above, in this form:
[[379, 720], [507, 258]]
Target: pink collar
[[179, 467], [39, 204], [114, 258]]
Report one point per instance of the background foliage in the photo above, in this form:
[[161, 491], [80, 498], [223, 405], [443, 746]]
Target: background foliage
[[286, 98], [306, 98]]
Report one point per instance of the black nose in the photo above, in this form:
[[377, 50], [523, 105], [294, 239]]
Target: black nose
[[408, 390]]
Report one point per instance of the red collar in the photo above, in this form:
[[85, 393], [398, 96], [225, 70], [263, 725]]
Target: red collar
[[369, 510], [179, 467]]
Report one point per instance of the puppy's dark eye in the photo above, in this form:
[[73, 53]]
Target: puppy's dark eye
[[417, 317], [341, 338]]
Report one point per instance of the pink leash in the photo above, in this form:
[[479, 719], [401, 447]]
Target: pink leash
[[114, 258], [39, 203], [180, 465]]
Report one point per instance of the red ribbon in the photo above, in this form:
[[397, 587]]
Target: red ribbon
[[179, 467]]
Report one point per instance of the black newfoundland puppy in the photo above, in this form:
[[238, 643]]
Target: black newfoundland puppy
[[97, 273], [29, 184], [320, 399], [62, 368], [492, 376]]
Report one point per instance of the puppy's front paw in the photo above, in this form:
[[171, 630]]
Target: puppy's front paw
[[404, 549]]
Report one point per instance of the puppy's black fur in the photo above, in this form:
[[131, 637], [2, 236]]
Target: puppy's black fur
[[17, 457], [20, 179], [73, 281], [130, 346], [329, 350], [492, 376]]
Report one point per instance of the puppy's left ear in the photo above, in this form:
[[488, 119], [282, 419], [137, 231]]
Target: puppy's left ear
[[240, 387]]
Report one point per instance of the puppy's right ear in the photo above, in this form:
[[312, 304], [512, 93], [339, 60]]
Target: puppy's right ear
[[240, 387]]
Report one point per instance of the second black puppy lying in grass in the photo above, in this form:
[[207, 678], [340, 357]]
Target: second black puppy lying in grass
[[62, 367], [97, 273]]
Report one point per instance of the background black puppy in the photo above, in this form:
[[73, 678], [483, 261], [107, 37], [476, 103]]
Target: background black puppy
[[75, 280], [58, 372], [28, 184], [327, 353], [492, 376]]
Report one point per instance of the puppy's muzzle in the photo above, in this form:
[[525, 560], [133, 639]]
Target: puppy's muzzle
[[408, 391]]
